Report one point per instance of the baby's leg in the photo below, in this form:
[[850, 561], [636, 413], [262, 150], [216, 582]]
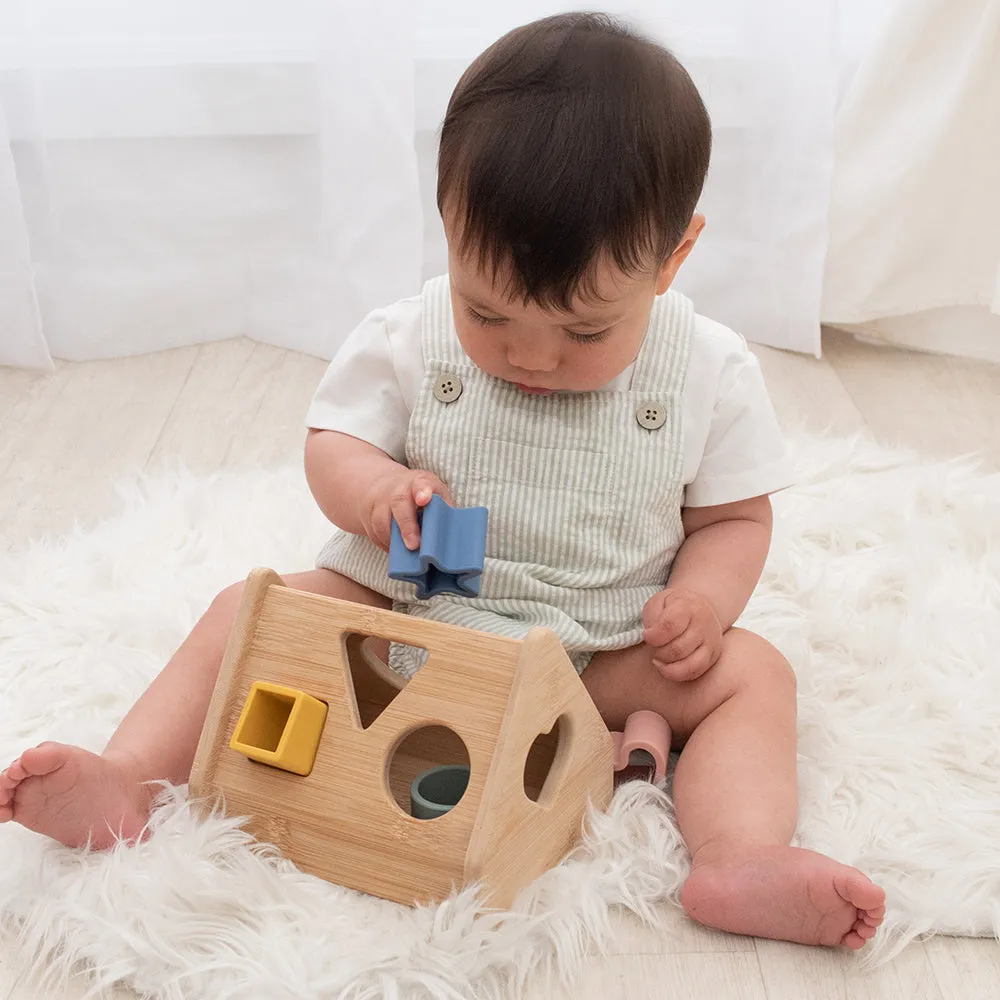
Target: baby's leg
[[735, 792], [74, 796]]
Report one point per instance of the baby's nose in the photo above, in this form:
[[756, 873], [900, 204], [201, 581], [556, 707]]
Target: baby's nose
[[533, 355]]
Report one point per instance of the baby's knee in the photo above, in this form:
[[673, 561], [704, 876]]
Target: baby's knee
[[227, 600], [756, 663]]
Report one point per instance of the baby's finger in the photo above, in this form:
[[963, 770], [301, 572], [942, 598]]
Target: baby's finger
[[424, 485], [653, 608], [405, 513], [688, 669], [671, 624], [680, 648], [380, 530]]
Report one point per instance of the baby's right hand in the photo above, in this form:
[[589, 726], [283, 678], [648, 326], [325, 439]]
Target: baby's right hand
[[398, 495]]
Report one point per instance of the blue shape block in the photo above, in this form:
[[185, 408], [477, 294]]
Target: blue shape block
[[451, 554]]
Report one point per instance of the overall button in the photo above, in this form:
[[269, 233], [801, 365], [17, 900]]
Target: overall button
[[447, 388], [651, 416]]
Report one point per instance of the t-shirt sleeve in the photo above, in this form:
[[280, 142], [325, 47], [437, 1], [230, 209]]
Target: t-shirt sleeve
[[744, 453], [360, 392]]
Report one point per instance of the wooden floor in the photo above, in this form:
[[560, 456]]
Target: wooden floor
[[65, 437]]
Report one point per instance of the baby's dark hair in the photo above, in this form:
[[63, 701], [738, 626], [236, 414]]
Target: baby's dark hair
[[570, 138]]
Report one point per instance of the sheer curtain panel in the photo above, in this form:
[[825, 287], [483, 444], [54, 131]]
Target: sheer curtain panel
[[180, 173], [21, 342], [206, 169], [915, 214]]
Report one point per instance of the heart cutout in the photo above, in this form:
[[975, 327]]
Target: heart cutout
[[540, 759]]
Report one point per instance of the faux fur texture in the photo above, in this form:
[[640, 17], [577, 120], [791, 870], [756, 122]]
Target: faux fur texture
[[883, 589]]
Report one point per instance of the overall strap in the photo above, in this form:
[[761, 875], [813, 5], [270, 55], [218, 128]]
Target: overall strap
[[441, 345], [662, 363]]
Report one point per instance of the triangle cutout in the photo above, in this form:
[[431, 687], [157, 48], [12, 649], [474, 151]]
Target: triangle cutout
[[374, 685]]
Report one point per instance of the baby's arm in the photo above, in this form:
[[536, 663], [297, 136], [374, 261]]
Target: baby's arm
[[361, 489], [723, 554], [713, 576]]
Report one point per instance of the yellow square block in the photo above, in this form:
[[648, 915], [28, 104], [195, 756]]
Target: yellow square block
[[280, 726]]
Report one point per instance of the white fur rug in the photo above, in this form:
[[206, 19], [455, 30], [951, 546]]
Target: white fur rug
[[883, 589]]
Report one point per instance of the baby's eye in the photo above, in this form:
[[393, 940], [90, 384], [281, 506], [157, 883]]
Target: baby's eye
[[589, 338], [484, 320]]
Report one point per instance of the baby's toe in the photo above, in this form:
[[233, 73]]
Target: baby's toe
[[853, 940], [864, 930], [14, 774], [43, 759], [860, 891]]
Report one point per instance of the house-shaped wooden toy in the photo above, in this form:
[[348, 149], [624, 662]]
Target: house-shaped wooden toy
[[327, 742]]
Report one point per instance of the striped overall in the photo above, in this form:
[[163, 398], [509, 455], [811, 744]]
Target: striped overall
[[584, 490]]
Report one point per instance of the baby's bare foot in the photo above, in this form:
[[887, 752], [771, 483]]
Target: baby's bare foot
[[73, 796], [785, 893]]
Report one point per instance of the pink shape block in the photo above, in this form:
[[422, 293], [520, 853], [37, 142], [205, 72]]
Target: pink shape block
[[644, 730]]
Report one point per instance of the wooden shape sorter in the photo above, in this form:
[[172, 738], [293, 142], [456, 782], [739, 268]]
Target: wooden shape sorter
[[514, 710]]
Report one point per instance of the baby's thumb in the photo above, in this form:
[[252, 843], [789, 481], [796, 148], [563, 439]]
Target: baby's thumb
[[425, 485]]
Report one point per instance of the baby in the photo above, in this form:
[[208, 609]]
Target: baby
[[625, 448]]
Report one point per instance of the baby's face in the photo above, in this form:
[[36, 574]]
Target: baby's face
[[542, 350]]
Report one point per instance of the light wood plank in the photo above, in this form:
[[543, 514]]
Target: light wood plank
[[277, 432], [807, 394], [243, 404], [793, 972], [732, 976], [966, 967], [24, 399], [73, 434], [214, 401], [680, 936], [24, 396], [104, 415], [16, 386], [66, 438], [941, 406]]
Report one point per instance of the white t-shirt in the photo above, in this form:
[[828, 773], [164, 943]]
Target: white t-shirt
[[733, 449]]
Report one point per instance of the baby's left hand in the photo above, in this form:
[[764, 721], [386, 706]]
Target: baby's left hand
[[684, 632]]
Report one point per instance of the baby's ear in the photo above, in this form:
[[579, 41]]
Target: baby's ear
[[672, 264]]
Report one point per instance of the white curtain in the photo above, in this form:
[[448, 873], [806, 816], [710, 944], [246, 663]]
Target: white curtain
[[178, 173], [196, 170], [21, 342], [915, 207]]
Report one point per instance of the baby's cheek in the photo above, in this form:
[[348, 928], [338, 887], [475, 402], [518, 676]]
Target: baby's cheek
[[492, 362], [482, 349], [605, 365], [491, 358]]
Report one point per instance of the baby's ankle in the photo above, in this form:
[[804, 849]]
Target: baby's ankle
[[134, 773], [728, 848]]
